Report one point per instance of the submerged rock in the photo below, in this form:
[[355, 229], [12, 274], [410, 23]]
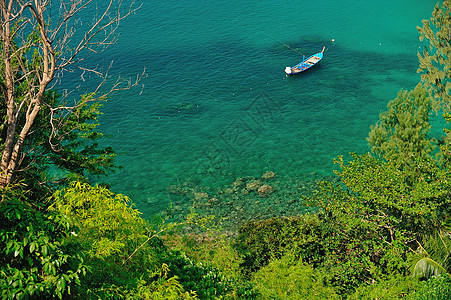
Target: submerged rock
[[229, 191], [253, 185], [177, 190], [238, 182], [200, 195], [268, 175], [265, 190]]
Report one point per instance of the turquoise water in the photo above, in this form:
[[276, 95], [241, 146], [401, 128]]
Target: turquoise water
[[216, 105]]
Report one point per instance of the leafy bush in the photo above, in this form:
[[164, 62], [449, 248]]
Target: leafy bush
[[288, 278], [153, 285], [215, 264], [38, 258], [123, 251], [397, 287], [376, 216], [436, 288], [110, 228], [259, 242], [207, 281]]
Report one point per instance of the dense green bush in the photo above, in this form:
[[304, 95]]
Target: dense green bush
[[215, 265], [126, 256], [366, 227], [207, 281], [259, 242], [397, 287], [436, 288], [289, 278], [376, 216], [38, 258], [123, 251]]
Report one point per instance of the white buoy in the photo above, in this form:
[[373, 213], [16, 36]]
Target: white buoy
[[332, 40]]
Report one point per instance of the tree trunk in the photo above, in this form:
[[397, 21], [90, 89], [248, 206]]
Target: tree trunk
[[30, 61], [5, 172], [13, 144]]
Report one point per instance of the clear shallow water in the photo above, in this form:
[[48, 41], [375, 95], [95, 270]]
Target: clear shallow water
[[217, 105]]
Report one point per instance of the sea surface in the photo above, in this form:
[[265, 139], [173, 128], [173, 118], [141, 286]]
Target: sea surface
[[215, 104]]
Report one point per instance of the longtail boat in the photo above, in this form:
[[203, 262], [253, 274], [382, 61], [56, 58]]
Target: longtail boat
[[305, 64]]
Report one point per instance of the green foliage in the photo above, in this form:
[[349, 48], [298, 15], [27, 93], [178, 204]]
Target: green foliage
[[70, 147], [118, 243], [436, 288], [125, 253], [384, 196], [398, 287], [216, 264], [109, 226], [434, 258], [372, 219], [288, 278], [434, 61], [73, 147], [401, 134], [213, 248], [38, 259], [207, 281], [444, 157], [427, 267], [260, 242], [162, 288], [153, 285], [58, 154]]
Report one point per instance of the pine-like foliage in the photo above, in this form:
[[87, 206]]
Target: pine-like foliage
[[435, 63], [401, 134]]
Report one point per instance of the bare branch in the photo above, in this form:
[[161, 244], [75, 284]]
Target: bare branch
[[37, 49]]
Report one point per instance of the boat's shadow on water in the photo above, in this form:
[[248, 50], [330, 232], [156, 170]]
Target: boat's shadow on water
[[353, 73]]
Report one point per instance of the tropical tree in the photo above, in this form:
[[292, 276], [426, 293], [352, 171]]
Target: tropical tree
[[402, 133], [434, 255], [435, 65], [127, 259], [39, 43], [376, 215]]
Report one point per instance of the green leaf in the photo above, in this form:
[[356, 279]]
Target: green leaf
[[427, 267], [9, 245], [61, 284], [32, 247]]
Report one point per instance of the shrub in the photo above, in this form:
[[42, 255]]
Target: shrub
[[124, 252], [288, 278], [219, 275], [207, 281], [436, 288], [37, 257], [398, 287], [259, 242]]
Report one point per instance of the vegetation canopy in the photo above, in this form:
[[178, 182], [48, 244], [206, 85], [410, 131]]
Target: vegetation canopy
[[381, 229]]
